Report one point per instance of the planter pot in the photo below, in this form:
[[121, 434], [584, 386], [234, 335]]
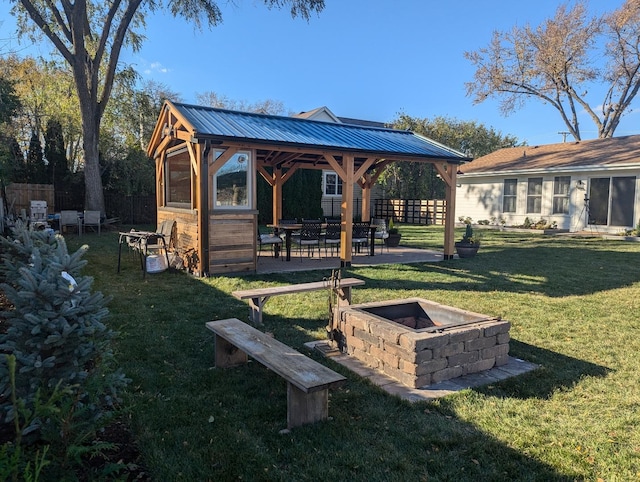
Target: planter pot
[[393, 240], [466, 250]]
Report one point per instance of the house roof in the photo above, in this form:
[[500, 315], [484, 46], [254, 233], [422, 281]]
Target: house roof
[[300, 134], [567, 156]]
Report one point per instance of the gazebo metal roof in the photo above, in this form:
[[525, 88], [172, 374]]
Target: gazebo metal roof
[[227, 125]]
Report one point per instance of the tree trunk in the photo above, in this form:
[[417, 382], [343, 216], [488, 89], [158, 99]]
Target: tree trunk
[[94, 194]]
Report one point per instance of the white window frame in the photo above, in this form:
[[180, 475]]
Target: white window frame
[[561, 191], [337, 184], [513, 196], [171, 158], [532, 196], [224, 204]]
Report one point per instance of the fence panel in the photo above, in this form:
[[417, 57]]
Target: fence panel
[[411, 211], [20, 195]]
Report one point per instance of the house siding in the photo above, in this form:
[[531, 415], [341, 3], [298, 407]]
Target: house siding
[[481, 198]]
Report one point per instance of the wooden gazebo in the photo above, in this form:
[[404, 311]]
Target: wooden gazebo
[[207, 160]]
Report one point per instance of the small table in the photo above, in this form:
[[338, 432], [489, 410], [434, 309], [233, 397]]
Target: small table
[[141, 240]]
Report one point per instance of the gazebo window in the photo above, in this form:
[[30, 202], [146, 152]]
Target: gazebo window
[[232, 183], [534, 195], [561, 194], [332, 184], [178, 179], [509, 196]]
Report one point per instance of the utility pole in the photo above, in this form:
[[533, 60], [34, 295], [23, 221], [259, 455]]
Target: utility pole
[[564, 135]]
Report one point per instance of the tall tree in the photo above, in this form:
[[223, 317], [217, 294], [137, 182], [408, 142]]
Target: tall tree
[[54, 151], [9, 101], [90, 36], [415, 180], [36, 168], [555, 64]]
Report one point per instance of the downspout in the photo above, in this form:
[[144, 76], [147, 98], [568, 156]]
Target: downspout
[[204, 205]]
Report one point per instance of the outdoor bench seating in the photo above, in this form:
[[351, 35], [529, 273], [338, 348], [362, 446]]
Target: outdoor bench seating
[[308, 381], [259, 296]]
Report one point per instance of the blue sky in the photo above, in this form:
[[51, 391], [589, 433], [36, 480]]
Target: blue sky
[[368, 59]]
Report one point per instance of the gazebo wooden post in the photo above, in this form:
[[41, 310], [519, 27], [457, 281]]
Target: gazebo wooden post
[[276, 191], [448, 175], [346, 211], [366, 199]]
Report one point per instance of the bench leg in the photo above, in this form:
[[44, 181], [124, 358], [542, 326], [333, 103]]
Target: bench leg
[[228, 355], [306, 407], [255, 307]]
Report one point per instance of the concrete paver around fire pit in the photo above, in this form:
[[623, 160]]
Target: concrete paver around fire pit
[[513, 367]]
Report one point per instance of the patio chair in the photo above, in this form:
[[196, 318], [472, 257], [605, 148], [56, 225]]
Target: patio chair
[[91, 219], [163, 232], [332, 236], [359, 236], [269, 239], [309, 237], [70, 218], [381, 231]]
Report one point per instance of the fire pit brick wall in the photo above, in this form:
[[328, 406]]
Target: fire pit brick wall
[[417, 359]]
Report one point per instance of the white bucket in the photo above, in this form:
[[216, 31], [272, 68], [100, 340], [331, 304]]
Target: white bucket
[[156, 263]]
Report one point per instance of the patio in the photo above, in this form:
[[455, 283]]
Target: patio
[[268, 264]]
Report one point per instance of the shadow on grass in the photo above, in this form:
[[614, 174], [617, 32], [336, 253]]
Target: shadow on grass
[[553, 271], [557, 372]]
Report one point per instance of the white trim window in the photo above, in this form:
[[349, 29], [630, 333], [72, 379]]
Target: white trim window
[[509, 195], [177, 174], [561, 186], [232, 188], [332, 184], [534, 195]]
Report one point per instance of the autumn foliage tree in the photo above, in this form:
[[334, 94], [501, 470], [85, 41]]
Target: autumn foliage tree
[[560, 63]]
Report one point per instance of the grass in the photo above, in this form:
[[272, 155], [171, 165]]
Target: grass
[[573, 304]]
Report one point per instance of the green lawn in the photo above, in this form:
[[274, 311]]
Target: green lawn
[[573, 304]]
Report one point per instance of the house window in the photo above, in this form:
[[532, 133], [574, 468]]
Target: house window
[[232, 182], [561, 194], [178, 179], [534, 195], [509, 196], [332, 184]]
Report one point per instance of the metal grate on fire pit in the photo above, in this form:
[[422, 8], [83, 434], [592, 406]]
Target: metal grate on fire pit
[[424, 317]]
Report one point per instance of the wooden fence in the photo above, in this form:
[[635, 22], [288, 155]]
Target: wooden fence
[[411, 211], [20, 195]]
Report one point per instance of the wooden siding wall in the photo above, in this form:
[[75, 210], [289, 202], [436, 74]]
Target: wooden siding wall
[[232, 243], [186, 233]]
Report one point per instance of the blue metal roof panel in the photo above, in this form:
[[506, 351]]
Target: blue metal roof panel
[[209, 121]]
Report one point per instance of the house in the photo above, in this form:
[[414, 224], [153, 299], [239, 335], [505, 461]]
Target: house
[[331, 182], [207, 160], [577, 185]]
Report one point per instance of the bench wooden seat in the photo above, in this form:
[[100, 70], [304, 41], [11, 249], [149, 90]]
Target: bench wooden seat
[[259, 296], [308, 381]]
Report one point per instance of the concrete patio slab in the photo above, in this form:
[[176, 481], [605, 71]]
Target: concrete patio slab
[[400, 255]]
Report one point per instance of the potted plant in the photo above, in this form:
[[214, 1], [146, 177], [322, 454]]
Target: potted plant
[[394, 236], [468, 246]]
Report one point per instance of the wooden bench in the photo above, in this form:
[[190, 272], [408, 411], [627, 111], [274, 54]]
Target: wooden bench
[[308, 381], [259, 296]]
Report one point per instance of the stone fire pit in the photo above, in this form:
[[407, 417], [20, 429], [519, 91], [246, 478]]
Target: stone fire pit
[[420, 342]]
